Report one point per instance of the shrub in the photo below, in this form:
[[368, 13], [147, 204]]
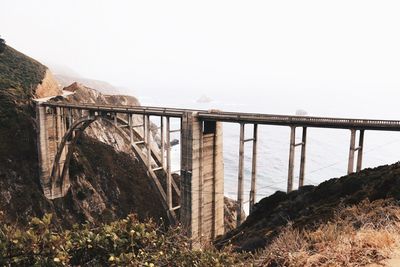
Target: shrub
[[126, 242]]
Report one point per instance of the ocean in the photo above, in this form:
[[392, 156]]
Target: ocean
[[327, 149]]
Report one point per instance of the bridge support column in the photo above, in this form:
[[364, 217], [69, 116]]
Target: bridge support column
[[353, 149], [169, 177], [202, 179], [350, 166], [253, 170], [360, 150], [303, 157], [51, 124], [239, 218], [162, 148], [130, 125], [292, 151], [291, 158]]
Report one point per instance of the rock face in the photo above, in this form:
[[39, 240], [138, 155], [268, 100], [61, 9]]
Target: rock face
[[204, 99], [66, 79], [230, 214], [48, 86]]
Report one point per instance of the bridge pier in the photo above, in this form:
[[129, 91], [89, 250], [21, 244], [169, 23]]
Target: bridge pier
[[239, 217], [360, 150], [353, 149], [253, 187], [291, 158], [169, 177], [303, 157], [292, 151], [202, 178], [51, 128], [252, 196]]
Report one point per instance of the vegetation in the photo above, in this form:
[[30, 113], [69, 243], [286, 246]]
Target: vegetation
[[312, 205], [19, 71], [126, 242], [357, 236], [19, 76]]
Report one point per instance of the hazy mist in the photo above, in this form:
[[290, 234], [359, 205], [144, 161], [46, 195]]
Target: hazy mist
[[329, 57]]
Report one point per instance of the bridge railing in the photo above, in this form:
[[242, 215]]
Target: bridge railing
[[286, 120], [239, 117]]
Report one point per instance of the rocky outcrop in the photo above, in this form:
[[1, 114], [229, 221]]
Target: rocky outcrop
[[230, 214], [48, 86], [65, 79]]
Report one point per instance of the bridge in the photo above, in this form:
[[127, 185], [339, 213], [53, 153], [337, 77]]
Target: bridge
[[196, 200]]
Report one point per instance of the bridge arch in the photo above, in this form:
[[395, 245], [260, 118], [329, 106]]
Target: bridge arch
[[80, 125], [69, 140]]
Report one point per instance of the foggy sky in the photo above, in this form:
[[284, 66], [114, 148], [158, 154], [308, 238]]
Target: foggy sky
[[298, 48]]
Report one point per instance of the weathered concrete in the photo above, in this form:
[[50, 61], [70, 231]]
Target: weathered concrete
[[303, 157], [253, 188], [51, 129], [202, 181], [239, 217], [360, 150], [291, 158], [350, 166]]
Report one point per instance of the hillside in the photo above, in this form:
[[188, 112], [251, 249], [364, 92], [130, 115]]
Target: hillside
[[101, 86], [20, 72], [105, 191], [312, 206], [19, 187]]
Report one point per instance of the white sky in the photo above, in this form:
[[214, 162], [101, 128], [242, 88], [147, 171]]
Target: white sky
[[215, 47]]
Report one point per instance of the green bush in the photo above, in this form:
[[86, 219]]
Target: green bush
[[126, 242]]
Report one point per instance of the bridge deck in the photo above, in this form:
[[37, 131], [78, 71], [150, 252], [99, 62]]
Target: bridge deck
[[240, 117]]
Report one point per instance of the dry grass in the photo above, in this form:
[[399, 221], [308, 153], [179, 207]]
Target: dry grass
[[358, 235]]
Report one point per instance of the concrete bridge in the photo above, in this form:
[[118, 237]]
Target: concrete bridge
[[197, 201]]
